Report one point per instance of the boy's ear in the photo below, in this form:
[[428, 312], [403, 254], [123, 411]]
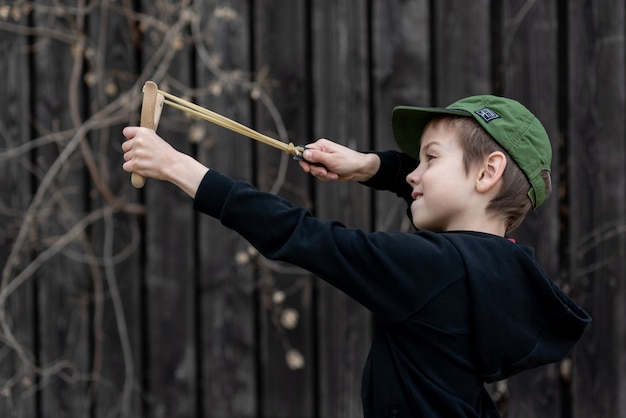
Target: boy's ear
[[491, 171]]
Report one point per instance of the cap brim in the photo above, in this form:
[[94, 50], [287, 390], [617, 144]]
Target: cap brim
[[408, 124]]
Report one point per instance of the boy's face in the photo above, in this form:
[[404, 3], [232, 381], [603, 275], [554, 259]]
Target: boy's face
[[443, 192]]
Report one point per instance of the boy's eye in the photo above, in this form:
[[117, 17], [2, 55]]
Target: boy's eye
[[427, 158]]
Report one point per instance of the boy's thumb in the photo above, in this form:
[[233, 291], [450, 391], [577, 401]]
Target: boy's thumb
[[308, 155]]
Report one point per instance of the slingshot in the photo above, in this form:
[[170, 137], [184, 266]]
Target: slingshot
[[152, 105]]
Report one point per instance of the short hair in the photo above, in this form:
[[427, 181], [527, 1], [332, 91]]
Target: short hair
[[512, 202]]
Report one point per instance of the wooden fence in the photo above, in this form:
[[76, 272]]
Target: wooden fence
[[123, 303]]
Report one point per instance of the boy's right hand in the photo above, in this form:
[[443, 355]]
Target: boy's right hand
[[328, 161]]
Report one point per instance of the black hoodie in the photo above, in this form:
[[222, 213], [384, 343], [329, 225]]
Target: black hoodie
[[452, 310]]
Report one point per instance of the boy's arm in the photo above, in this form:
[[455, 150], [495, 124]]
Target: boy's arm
[[387, 273]]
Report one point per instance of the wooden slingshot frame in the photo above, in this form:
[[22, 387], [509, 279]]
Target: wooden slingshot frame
[[151, 108], [152, 105]]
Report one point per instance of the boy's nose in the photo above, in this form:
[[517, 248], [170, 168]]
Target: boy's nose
[[414, 176]]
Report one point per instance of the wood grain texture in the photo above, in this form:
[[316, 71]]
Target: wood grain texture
[[596, 132], [116, 240], [19, 309], [64, 285], [340, 60], [461, 49], [400, 76], [170, 282], [281, 52], [531, 76], [226, 290]]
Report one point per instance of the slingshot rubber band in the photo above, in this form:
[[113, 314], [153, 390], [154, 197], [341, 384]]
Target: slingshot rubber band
[[223, 121]]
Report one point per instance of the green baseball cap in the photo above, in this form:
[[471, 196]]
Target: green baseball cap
[[509, 122]]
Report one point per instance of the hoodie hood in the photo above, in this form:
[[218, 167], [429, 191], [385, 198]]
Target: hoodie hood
[[521, 318]]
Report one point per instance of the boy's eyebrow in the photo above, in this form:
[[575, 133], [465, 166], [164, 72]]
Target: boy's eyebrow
[[429, 145]]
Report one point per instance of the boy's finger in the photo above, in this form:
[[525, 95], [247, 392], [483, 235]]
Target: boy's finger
[[130, 131], [305, 166]]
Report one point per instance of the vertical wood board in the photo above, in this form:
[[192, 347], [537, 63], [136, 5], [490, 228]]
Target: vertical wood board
[[170, 281], [341, 95], [400, 77], [462, 50], [226, 283], [117, 239], [16, 378], [288, 362], [598, 204], [530, 75], [64, 283]]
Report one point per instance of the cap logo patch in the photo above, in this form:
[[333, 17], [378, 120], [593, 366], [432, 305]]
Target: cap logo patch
[[487, 114]]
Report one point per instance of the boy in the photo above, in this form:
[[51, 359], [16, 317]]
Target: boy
[[456, 303]]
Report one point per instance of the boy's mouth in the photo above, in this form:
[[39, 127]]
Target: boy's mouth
[[416, 195]]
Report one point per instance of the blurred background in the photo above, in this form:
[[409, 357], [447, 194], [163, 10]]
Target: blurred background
[[118, 302]]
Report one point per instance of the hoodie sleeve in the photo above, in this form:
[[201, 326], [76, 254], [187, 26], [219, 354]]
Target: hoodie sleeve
[[390, 274]]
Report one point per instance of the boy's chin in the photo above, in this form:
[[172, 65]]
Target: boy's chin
[[424, 226]]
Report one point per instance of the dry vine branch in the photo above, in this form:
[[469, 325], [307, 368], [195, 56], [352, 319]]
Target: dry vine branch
[[70, 142], [68, 27]]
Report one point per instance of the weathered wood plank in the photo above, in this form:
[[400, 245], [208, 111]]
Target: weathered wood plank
[[116, 240], [16, 378], [283, 112], [226, 287], [530, 75], [462, 50], [596, 132], [400, 76], [340, 63], [64, 283], [170, 303]]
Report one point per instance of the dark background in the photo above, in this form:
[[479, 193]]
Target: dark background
[[116, 302]]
